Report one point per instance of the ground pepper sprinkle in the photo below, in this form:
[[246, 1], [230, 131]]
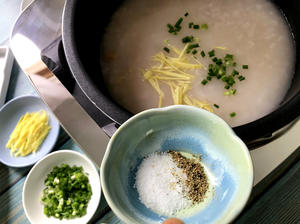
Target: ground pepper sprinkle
[[196, 182]]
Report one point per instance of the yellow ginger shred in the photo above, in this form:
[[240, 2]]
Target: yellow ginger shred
[[173, 71], [29, 133], [221, 48]]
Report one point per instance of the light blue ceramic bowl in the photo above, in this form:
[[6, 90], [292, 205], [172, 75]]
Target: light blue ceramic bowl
[[10, 114], [181, 128]]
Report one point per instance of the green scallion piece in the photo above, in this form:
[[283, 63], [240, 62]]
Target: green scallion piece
[[216, 106], [234, 72], [186, 14], [211, 53], [202, 54], [191, 25], [233, 114], [215, 59], [228, 57], [241, 78], [204, 26], [227, 93], [230, 81], [221, 72], [179, 21], [230, 92], [187, 39], [194, 52], [245, 66], [192, 46], [171, 28], [219, 61], [225, 78], [167, 49], [204, 81], [196, 27]]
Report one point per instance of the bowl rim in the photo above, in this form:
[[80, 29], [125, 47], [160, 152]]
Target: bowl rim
[[50, 148], [154, 111], [52, 154]]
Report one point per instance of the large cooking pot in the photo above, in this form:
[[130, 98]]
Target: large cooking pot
[[83, 26]]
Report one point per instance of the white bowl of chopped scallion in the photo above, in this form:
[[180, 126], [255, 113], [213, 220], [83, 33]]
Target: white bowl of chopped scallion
[[63, 187]]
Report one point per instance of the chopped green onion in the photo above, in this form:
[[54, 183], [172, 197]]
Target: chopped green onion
[[179, 21], [208, 78], [186, 14], [191, 25], [204, 26], [176, 28], [224, 78], [241, 78], [221, 72], [245, 66], [234, 72], [230, 81], [219, 61], [167, 49], [67, 192], [227, 93], [187, 39], [191, 46], [230, 92], [172, 30], [227, 87], [194, 52], [204, 81], [216, 106], [196, 27], [228, 57], [211, 53], [232, 114], [166, 41], [202, 54]]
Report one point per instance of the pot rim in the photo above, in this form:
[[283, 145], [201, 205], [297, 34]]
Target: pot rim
[[264, 126]]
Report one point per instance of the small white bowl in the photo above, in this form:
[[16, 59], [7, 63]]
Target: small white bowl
[[34, 185]]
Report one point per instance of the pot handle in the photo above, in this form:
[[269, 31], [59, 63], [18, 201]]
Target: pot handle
[[54, 57]]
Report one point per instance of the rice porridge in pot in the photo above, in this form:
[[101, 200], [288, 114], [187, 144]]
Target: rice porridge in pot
[[233, 57]]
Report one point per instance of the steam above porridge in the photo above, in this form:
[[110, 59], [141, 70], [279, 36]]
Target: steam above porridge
[[234, 58]]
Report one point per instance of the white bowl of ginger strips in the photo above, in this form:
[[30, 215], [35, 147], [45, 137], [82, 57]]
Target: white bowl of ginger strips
[[28, 131], [178, 161]]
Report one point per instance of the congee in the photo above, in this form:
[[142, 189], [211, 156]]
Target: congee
[[232, 57]]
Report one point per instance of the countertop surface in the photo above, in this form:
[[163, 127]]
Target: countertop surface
[[274, 199]]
